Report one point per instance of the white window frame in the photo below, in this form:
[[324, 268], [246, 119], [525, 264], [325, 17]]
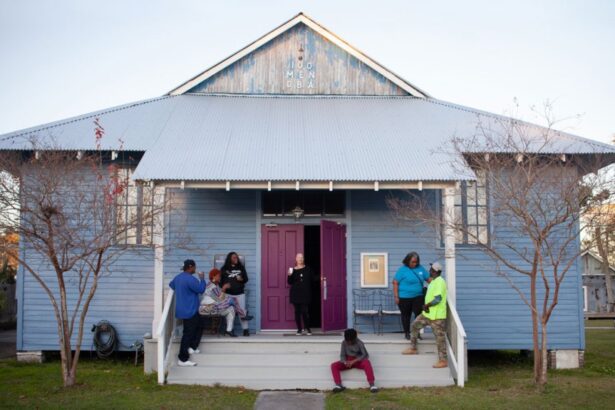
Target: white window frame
[[140, 239]]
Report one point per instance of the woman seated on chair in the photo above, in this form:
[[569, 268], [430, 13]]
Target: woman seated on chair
[[217, 303]]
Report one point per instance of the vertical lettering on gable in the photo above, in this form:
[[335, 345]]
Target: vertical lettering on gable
[[300, 74]]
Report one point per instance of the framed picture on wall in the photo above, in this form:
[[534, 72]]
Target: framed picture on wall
[[374, 270]]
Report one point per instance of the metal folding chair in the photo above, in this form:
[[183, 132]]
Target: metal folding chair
[[389, 307], [366, 303]]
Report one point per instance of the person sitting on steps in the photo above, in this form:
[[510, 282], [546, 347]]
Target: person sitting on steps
[[353, 355], [217, 303]]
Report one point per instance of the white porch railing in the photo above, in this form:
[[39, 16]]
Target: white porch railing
[[457, 345], [164, 334]]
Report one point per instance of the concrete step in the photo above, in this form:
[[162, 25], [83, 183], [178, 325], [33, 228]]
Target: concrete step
[[310, 359], [273, 379], [292, 372], [279, 362], [227, 345], [298, 349]]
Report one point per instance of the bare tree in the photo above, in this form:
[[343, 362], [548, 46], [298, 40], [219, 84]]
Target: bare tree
[[69, 210], [536, 197]]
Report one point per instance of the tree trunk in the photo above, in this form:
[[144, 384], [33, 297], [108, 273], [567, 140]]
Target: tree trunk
[[604, 254], [542, 379], [68, 371], [535, 342], [70, 379]]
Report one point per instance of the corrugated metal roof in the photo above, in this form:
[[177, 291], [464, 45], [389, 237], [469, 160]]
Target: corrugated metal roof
[[137, 124], [280, 138], [288, 138]]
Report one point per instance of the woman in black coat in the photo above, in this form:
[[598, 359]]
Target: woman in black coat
[[300, 279]]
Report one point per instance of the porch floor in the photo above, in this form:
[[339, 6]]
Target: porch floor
[[284, 361]]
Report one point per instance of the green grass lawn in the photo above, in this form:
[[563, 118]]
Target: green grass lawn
[[498, 379], [600, 323], [504, 380], [114, 384]]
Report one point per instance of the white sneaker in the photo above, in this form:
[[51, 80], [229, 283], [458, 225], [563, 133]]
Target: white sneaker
[[193, 351], [187, 363]]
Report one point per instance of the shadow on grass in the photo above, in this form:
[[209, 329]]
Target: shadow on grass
[[499, 358]]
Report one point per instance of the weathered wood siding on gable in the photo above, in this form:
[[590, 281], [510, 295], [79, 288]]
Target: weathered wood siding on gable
[[299, 61]]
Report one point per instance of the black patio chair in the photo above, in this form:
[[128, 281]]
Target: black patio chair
[[366, 303]]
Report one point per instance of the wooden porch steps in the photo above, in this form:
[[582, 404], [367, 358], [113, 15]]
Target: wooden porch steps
[[278, 362]]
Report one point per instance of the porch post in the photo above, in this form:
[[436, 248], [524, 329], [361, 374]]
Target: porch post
[[158, 240], [449, 243]]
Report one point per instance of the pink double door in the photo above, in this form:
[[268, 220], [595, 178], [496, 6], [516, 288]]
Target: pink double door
[[280, 244]]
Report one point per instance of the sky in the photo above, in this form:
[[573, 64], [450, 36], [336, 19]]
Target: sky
[[64, 58]]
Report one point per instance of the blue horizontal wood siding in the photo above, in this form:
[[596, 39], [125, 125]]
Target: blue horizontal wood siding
[[217, 222], [491, 311], [212, 222], [124, 297], [374, 228]]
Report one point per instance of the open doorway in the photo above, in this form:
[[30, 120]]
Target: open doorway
[[312, 259]]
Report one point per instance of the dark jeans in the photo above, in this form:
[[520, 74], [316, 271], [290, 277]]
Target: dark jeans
[[408, 306], [302, 310], [193, 330]]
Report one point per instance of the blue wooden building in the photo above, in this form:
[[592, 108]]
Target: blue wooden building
[[293, 144]]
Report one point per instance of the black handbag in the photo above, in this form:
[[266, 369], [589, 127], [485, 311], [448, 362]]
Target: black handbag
[[421, 281]]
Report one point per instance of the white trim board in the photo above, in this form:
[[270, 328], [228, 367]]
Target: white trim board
[[305, 185], [300, 18]]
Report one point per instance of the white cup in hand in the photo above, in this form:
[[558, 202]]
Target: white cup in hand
[[290, 271]]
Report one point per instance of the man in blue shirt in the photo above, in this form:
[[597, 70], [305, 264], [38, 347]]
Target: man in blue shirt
[[187, 289]]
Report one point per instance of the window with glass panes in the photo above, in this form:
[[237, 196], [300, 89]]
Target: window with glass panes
[[134, 211], [313, 203], [471, 212]]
